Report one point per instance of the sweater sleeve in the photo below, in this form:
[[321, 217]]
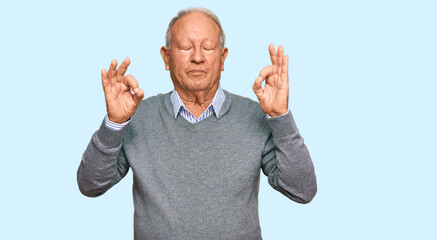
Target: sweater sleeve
[[286, 161], [103, 162]]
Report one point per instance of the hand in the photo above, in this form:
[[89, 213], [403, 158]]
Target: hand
[[121, 104], [274, 97]]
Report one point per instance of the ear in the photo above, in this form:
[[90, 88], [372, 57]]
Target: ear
[[165, 56], [224, 55]]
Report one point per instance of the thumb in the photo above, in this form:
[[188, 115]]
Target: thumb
[[257, 88], [138, 96]]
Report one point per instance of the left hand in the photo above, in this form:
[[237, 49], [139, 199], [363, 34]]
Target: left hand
[[274, 97]]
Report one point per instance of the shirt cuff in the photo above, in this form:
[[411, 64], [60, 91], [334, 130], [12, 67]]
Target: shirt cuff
[[115, 126], [268, 116]]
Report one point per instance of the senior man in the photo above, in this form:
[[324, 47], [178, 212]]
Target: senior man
[[196, 152]]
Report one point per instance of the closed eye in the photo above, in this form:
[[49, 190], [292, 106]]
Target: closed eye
[[184, 47]]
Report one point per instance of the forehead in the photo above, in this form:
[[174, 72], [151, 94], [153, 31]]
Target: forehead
[[195, 26]]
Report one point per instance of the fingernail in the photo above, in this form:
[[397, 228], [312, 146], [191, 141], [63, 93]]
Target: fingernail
[[136, 90]]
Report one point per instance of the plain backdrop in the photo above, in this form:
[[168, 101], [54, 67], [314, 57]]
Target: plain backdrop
[[362, 91]]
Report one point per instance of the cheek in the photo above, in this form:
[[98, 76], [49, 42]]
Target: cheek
[[177, 63], [180, 58], [216, 63]]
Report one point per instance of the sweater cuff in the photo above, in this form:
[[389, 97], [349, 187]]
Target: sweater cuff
[[109, 138], [283, 125]]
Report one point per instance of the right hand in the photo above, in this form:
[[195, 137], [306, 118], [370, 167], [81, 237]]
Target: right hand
[[121, 104]]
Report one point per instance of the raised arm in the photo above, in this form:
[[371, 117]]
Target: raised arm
[[103, 162], [286, 160]]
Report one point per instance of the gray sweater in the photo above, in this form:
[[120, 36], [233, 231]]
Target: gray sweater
[[199, 181]]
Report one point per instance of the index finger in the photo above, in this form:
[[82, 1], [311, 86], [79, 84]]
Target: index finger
[[266, 72], [130, 81]]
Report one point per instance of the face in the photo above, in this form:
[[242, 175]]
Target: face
[[195, 57]]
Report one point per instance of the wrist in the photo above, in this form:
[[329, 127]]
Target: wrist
[[117, 120], [277, 114]]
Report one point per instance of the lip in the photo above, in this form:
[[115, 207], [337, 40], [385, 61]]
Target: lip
[[196, 72]]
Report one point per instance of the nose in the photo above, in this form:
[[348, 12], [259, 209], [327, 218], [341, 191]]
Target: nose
[[197, 56]]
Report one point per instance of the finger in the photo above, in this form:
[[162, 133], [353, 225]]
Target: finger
[[130, 81], [280, 58], [266, 72], [284, 71], [111, 71], [273, 56], [257, 88], [123, 67], [133, 84], [138, 96], [105, 80]]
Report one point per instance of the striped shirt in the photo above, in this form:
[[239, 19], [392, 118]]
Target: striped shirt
[[179, 108], [213, 108]]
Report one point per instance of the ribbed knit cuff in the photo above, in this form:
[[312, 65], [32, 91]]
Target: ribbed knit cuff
[[109, 138], [283, 125]]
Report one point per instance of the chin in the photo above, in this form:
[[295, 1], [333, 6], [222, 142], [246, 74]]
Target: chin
[[198, 85]]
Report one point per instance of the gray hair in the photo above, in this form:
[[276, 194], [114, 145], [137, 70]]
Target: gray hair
[[184, 12]]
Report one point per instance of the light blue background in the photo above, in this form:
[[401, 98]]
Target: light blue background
[[362, 90]]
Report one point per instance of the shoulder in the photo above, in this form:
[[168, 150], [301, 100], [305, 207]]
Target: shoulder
[[247, 114], [150, 108], [153, 102], [244, 104], [246, 108]]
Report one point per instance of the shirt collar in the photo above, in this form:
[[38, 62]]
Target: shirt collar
[[217, 102]]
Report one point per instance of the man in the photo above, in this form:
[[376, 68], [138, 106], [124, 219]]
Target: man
[[196, 152]]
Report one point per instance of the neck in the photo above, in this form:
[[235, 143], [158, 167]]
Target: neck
[[197, 102]]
